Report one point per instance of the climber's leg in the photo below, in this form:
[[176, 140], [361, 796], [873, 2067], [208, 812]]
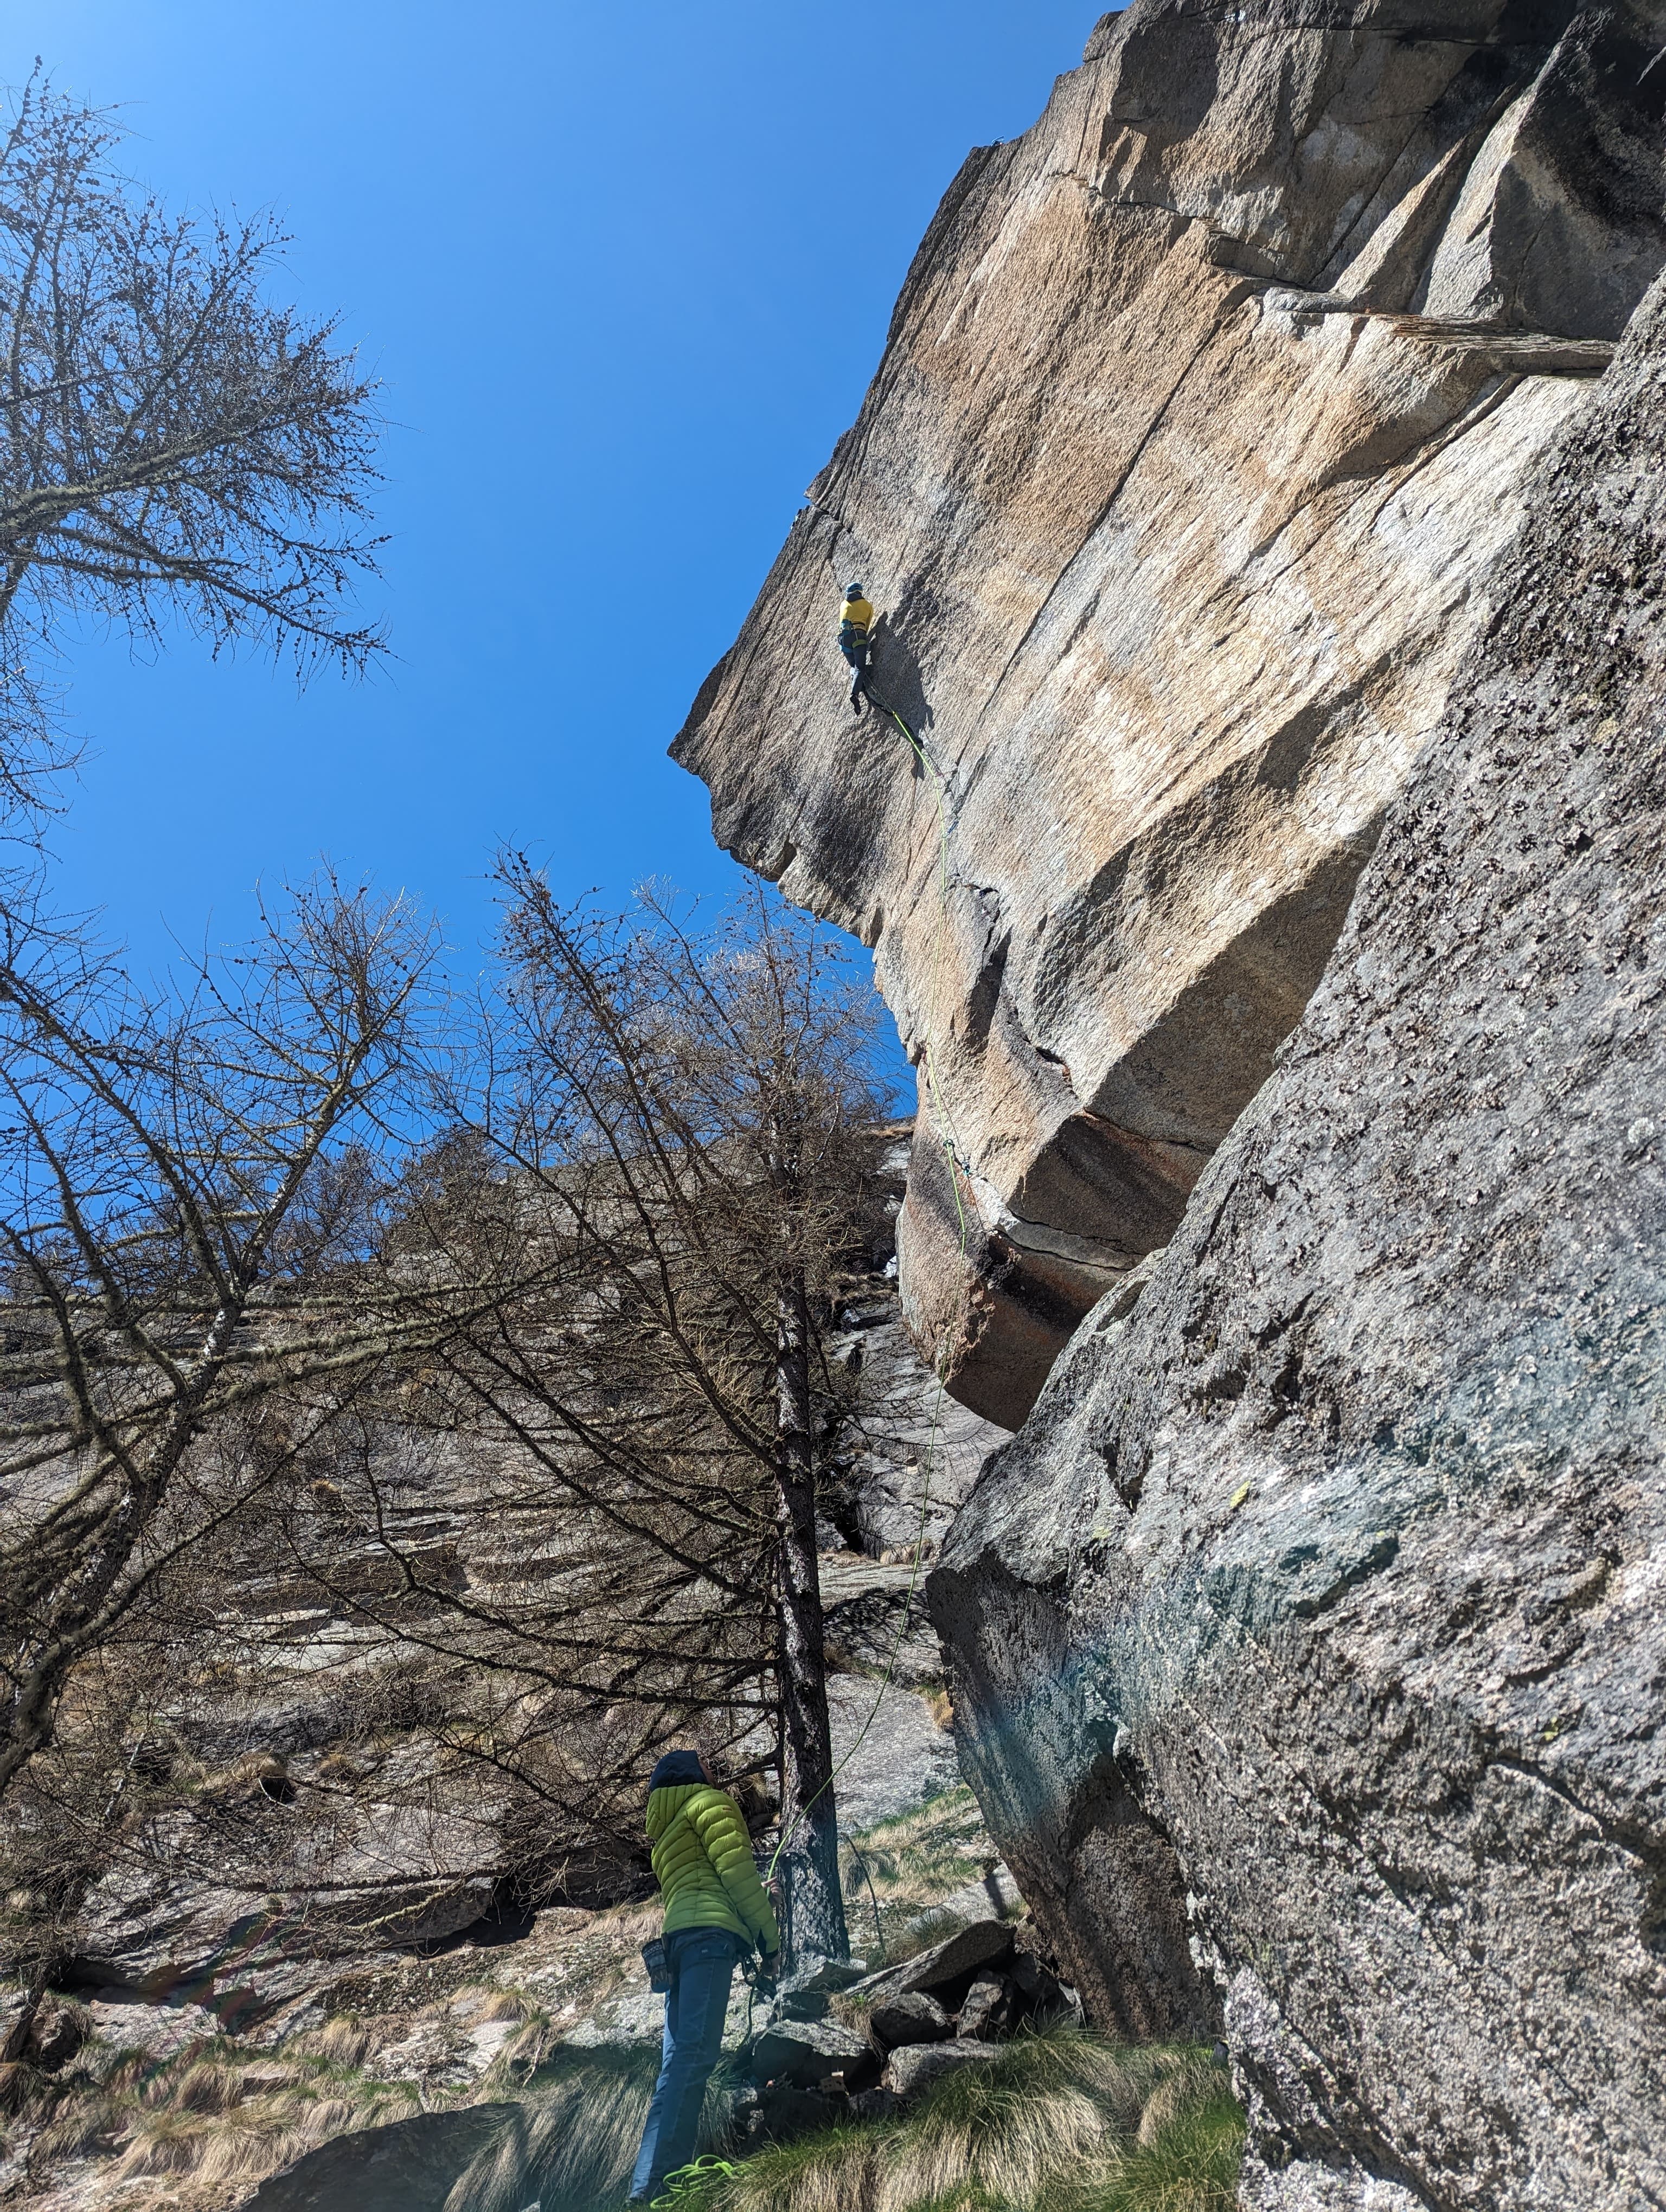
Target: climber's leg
[[855, 652]]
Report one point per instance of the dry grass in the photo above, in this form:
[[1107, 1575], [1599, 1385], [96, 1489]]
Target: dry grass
[[573, 2146], [342, 2040], [205, 2084], [215, 2116], [1054, 2126], [919, 1856], [1049, 2104], [537, 2040], [503, 2004], [81, 2126], [898, 1870], [244, 2142], [1188, 2163], [629, 1923]]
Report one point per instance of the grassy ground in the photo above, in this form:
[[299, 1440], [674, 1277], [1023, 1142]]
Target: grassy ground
[[198, 2130], [1059, 2122], [897, 1873], [216, 2118], [207, 2125]]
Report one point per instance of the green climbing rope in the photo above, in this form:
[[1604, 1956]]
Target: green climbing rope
[[944, 1129]]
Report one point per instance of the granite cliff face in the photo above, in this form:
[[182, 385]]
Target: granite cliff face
[[1320, 1604], [1190, 472], [1271, 542]]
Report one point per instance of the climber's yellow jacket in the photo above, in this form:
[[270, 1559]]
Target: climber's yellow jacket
[[702, 1860], [859, 611]]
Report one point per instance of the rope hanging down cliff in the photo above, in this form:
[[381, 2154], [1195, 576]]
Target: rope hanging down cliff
[[857, 615]]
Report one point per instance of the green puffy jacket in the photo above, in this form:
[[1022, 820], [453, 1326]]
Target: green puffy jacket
[[702, 1858]]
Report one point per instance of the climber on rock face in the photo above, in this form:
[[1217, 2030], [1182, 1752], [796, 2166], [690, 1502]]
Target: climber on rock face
[[855, 620]]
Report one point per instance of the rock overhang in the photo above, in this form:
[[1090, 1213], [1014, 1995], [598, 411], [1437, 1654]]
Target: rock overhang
[[1189, 473]]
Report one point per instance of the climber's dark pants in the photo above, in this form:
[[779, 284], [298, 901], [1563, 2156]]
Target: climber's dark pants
[[854, 650]]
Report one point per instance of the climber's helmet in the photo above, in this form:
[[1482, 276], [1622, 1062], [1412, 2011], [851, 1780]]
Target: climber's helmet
[[853, 591]]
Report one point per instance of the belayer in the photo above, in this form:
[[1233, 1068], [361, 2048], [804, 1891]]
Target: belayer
[[716, 1910], [855, 620]]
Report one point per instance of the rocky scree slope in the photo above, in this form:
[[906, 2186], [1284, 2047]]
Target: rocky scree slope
[[1189, 473], [1313, 1628]]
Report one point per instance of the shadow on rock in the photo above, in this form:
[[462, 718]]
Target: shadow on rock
[[410, 2166], [897, 682]]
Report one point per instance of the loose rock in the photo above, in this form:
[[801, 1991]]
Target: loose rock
[[912, 2016], [986, 2010], [944, 1964], [912, 2071]]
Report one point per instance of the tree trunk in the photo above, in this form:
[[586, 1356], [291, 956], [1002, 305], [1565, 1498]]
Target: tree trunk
[[810, 1861]]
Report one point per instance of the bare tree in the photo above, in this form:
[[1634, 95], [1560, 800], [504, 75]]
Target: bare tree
[[183, 1203], [690, 1112], [663, 1168], [172, 446]]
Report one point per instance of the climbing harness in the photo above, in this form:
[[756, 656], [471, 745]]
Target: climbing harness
[[853, 645], [943, 1127]]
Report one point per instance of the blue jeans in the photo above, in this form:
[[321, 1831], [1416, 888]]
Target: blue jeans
[[702, 1963]]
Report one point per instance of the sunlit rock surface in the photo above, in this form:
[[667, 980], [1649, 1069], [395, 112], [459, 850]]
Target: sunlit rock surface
[[1191, 469], [1313, 1632]]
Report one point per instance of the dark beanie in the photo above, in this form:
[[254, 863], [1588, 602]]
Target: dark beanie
[[675, 1767]]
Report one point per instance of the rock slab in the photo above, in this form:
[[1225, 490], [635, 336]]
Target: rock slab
[[918, 2067]]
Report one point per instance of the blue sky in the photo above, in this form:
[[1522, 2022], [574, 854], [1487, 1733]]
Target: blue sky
[[625, 271]]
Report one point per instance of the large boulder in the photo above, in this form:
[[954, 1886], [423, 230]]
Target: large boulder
[[1190, 474], [1315, 1628]]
